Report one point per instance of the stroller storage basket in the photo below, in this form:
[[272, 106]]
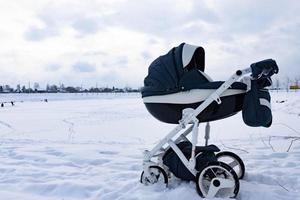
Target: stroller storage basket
[[204, 156]]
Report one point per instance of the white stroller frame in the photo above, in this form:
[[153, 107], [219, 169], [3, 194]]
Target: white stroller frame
[[189, 116]]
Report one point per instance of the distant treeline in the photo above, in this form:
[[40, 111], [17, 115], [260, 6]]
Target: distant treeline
[[62, 89]]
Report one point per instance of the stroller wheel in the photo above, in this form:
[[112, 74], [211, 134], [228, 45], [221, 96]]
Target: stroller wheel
[[217, 179], [156, 175], [234, 161]]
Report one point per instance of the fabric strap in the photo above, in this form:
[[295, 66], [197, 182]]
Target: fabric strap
[[265, 102]]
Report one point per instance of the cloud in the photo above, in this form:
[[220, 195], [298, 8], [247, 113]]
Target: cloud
[[54, 18], [125, 36], [37, 34], [53, 67], [95, 53], [86, 25], [161, 18], [111, 77], [115, 62], [146, 55], [83, 67]]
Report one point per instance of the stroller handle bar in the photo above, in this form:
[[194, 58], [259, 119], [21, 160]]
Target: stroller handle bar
[[215, 96], [265, 68]]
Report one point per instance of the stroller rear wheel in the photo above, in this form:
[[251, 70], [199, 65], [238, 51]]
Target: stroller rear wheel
[[217, 179], [234, 161], [156, 175]]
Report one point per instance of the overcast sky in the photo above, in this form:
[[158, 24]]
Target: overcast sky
[[112, 42]]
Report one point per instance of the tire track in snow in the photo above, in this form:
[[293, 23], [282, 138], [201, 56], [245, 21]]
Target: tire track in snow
[[70, 129], [7, 125], [10, 127]]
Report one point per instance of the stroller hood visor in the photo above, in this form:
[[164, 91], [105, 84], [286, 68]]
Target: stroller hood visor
[[165, 73]]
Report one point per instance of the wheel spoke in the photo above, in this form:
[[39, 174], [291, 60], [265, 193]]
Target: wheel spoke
[[233, 164], [213, 172], [157, 177], [226, 183], [212, 190]]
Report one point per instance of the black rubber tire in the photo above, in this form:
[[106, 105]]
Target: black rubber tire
[[161, 170], [225, 166], [237, 158]]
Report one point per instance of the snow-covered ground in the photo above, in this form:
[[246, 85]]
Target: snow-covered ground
[[91, 148]]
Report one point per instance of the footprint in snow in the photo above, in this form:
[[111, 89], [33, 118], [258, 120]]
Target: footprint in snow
[[279, 155], [54, 152], [99, 161], [108, 152]]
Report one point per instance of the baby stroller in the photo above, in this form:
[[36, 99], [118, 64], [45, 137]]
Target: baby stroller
[[177, 91]]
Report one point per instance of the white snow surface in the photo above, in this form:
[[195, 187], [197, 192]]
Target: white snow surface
[[90, 147]]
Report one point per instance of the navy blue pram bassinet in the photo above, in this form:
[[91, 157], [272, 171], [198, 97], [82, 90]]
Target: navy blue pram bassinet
[[177, 81]]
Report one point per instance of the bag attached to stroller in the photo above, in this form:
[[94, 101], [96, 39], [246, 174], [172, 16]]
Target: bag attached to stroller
[[204, 156], [257, 104]]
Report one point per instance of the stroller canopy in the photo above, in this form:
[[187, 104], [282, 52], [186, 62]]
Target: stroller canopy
[[179, 70]]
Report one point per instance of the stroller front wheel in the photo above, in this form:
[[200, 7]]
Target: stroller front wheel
[[156, 175], [217, 179]]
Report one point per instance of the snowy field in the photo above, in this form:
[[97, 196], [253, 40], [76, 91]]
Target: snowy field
[[90, 147]]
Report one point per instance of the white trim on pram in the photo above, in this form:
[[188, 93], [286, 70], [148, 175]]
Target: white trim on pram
[[190, 96], [206, 76], [187, 53]]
